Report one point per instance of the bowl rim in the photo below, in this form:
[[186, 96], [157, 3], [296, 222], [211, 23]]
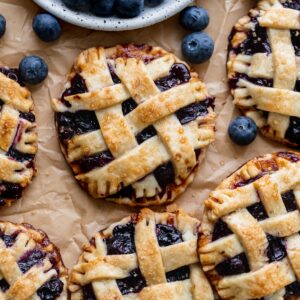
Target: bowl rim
[[86, 20]]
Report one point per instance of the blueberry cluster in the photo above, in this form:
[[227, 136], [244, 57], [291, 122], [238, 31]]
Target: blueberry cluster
[[32, 69], [103, 8], [197, 47]]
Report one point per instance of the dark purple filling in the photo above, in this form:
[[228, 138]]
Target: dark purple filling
[[193, 111], [126, 192], [295, 40], [258, 211], [164, 174], [248, 181], [276, 249], [10, 190], [167, 235], [233, 266], [9, 240], [257, 40], [70, 124], [257, 81], [221, 229], [19, 156], [179, 274], [295, 4], [28, 116], [4, 286], [12, 74], [146, 134], [289, 201], [78, 86], [289, 156], [88, 292], [134, 283], [179, 74], [113, 74], [293, 132], [51, 289], [31, 258], [98, 160], [122, 240], [293, 289], [128, 106]]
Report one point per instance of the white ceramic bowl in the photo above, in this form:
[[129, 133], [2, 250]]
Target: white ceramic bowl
[[148, 17]]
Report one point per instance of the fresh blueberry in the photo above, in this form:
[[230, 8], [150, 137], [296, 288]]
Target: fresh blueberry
[[46, 27], [194, 18], [2, 26], [129, 8], [80, 5], [242, 131], [33, 69], [197, 47], [153, 3], [102, 7]]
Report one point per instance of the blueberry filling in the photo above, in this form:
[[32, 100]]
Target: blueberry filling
[[9, 240], [12, 74], [164, 174], [295, 40], [248, 181], [122, 240], [51, 289], [89, 163], [31, 258], [257, 40], [221, 229], [293, 132], [193, 111], [179, 74], [4, 286], [126, 192], [146, 134], [128, 106], [289, 156], [257, 210], [276, 249], [10, 190], [233, 82], [70, 124], [88, 292], [113, 74], [289, 201], [28, 116], [167, 235], [134, 283], [78, 86], [19, 156], [179, 274], [233, 266], [293, 289]]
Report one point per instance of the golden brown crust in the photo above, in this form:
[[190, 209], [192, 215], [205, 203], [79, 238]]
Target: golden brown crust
[[23, 286], [261, 180], [137, 67], [101, 270]]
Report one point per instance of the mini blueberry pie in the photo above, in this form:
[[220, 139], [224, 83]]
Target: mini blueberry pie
[[146, 256], [30, 265], [18, 137], [250, 236], [133, 123], [264, 68]]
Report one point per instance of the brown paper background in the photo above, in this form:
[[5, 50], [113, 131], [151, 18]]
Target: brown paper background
[[55, 202]]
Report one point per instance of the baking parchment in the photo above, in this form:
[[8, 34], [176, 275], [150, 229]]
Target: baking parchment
[[55, 202]]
